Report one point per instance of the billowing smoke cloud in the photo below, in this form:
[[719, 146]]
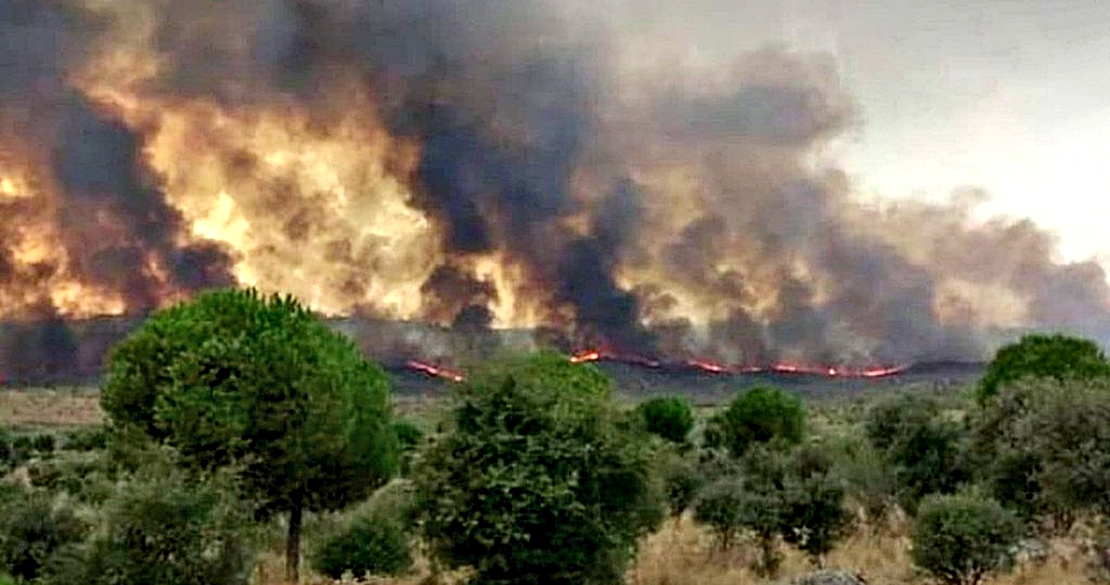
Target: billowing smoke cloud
[[112, 227], [483, 164]]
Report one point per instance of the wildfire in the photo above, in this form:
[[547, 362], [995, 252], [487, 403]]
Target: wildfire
[[792, 368], [588, 356], [435, 371]]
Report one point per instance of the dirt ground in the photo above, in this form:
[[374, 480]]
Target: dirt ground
[[53, 408]]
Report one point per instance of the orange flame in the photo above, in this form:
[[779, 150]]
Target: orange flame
[[435, 371], [586, 356]]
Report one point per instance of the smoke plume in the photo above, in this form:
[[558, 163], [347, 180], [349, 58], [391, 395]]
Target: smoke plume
[[482, 164]]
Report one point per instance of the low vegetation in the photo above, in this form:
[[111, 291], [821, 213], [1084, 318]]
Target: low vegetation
[[237, 427]]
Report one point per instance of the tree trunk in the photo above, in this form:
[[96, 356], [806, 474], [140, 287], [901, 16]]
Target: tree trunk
[[293, 544]]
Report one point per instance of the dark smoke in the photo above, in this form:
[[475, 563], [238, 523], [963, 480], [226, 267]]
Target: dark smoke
[[651, 210]]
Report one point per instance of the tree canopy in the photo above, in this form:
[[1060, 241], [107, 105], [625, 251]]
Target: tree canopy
[[539, 479], [235, 377], [1059, 357]]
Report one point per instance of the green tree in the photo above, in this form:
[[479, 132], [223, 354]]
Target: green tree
[[1044, 356], [1059, 445], [814, 517], [758, 415], [795, 497], [668, 417], [235, 377], [960, 539], [539, 478], [927, 451], [376, 539]]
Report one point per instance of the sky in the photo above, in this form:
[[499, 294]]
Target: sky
[[1008, 96]]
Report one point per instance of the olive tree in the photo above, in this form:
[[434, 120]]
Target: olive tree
[[236, 377], [960, 539], [538, 477], [669, 417], [755, 416], [1059, 357]]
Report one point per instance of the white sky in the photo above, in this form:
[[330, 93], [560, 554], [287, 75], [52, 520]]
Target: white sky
[[1012, 96]]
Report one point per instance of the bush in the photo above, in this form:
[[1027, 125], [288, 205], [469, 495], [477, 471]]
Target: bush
[[234, 377], [87, 439], [33, 529], [796, 498], [869, 477], [163, 528], [960, 539], [1042, 452], [758, 415], [682, 480], [1058, 357], [890, 419], [669, 418], [814, 517], [537, 481], [927, 452], [375, 544]]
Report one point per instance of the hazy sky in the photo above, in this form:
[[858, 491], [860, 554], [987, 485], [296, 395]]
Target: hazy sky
[[1012, 96]]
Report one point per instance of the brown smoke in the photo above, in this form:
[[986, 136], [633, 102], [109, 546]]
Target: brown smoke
[[481, 164]]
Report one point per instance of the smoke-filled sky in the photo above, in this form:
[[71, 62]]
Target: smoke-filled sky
[[674, 178], [1012, 96]]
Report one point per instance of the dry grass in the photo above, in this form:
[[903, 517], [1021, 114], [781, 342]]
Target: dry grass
[[40, 408], [682, 554]]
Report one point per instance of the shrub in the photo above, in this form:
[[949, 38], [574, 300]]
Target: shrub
[[758, 415], [162, 527], [682, 480], [720, 506], [796, 498], [669, 418], [927, 452], [409, 439], [536, 480], [87, 439], [7, 580], [234, 377], [960, 539], [868, 475], [33, 529], [813, 517], [1042, 452], [374, 544], [891, 419], [1058, 357]]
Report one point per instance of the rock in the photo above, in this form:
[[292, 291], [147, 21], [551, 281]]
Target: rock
[[830, 578]]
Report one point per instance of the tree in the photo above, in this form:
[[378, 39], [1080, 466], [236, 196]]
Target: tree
[[1044, 356], [758, 415], [668, 417], [926, 450], [234, 377], [814, 517], [891, 419], [539, 478], [960, 539], [795, 497]]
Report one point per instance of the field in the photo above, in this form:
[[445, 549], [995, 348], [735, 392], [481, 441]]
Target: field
[[680, 552]]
